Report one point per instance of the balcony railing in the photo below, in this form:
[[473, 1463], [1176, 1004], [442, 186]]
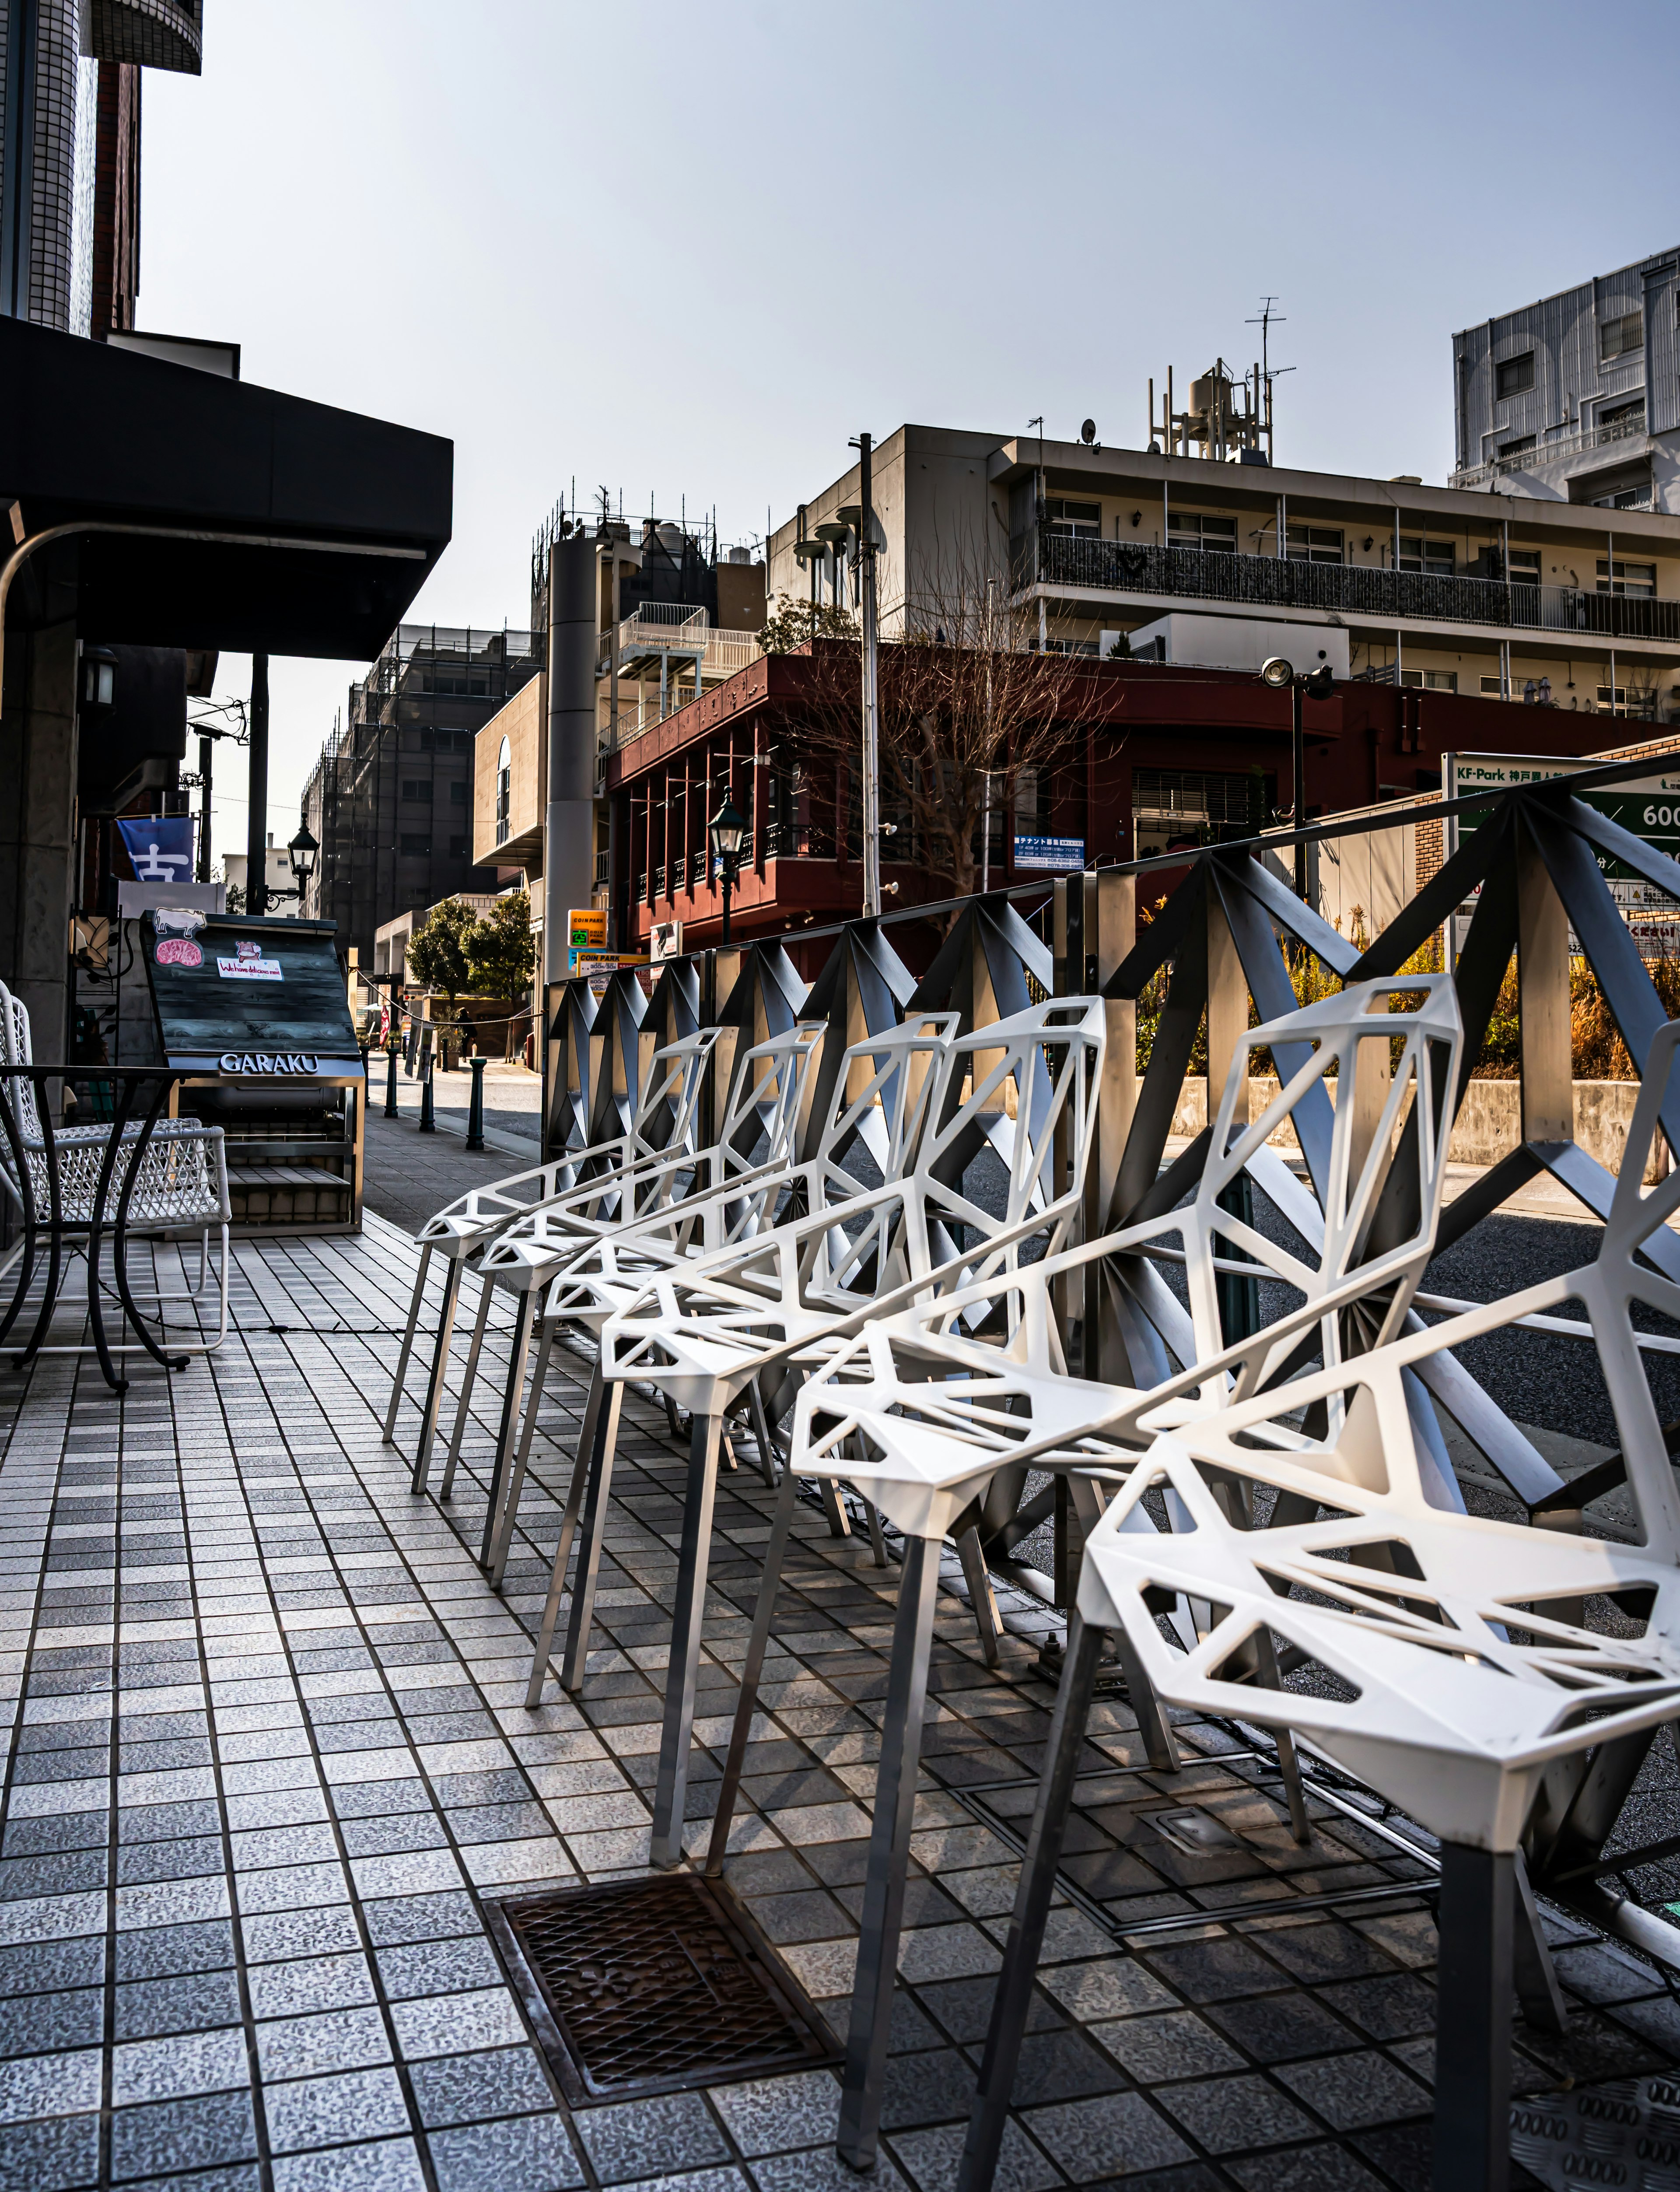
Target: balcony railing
[[1363, 590], [1547, 452]]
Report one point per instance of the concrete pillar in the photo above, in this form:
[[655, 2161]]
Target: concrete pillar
[[1543, 1002], [38, 819]]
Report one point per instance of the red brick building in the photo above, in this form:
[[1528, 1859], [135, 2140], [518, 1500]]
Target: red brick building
[[1167, 755]]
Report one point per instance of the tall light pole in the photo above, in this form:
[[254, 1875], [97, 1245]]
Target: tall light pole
[[256, 813], [1317, 683], [866, 565]]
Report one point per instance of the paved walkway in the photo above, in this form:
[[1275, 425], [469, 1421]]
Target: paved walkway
[[269, 1753]]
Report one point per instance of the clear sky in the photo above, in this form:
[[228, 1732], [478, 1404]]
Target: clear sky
[[684, 251]]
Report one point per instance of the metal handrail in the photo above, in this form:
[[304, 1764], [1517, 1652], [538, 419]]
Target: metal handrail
[[1276, 582], [1565, 445]]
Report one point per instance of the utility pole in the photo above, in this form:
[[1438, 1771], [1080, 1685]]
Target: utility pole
[[866, 553], [207, 746], [256, 816]]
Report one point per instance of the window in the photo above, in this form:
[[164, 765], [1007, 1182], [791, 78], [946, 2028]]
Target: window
[[1630, 416], [1492, 687], [1616, 337], [1513, 375], [1517, 446], [1314, 544], [1434, 557], [1174, 809], [416, 787], [1191, 529], [1074, 520], [1604, 699], [503, 791], [1637, 578], [415, 847], [458, 848], [458, 794], [1525, 567], [1433, 681]]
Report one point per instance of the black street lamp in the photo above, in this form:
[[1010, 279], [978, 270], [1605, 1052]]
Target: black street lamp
[[728, 835], [1315, 684], [303, 852]]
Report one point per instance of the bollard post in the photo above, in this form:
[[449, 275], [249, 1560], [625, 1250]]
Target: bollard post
[[428, 1124], [393, 1051], [476, 1109]]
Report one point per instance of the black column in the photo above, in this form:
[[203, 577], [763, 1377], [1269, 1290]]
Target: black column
[[1472, 2027], [256, 819]]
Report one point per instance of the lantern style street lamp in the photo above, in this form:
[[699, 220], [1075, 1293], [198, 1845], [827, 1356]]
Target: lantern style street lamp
[[728, 835]]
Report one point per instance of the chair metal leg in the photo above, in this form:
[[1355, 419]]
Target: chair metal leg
[[834, 1507], [980, 1594], [862, 2093], [504, 1526], [682, 1671], [407, 1347], [763, 1616], [597, 1491], [469, 1380], [766, 1451], [512, 1394], [877, 1542], [589, 1437], [1014, 1995], [440, 1364], [1472, 2021], [1161, 1746], [1537, 1987]]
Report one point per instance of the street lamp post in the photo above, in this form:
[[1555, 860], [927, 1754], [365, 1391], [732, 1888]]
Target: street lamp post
[[1315, 684], [728, 835]]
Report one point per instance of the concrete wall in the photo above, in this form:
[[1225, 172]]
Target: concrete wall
[[37, 806], [1490, 1119], [523, 722]]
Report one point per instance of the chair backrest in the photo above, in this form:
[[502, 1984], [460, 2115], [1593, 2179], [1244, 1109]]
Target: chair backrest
[[15, 1049]]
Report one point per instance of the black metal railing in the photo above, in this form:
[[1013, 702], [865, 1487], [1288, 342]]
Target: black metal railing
[[1274, 582]]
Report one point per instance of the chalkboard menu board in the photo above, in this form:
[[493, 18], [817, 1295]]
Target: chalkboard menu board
[[249, 999]]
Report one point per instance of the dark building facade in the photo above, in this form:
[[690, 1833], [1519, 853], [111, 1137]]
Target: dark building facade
[[390, 798]]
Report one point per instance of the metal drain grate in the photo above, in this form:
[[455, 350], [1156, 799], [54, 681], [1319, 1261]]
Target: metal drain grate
[[650, 1986], [1625, 2134]]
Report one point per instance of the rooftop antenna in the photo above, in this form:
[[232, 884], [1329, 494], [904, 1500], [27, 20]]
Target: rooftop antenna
[[1263, 320]]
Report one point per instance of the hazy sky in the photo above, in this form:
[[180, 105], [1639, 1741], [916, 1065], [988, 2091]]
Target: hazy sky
[[689, 251]]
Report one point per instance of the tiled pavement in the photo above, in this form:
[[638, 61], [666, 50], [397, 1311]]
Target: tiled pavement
[[269, 1749]]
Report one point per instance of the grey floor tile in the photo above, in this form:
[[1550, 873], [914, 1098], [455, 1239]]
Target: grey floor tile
[[930, 2160], [420, 1918], [768, 2115], [39, 1967], [305, 2046], [52, 2156], [273, 1935], [821, 2170], [162, 1951], [32, 2024], [176, 2135], [390, 2166], [185, 2063], [1084, 2137], [333, 2111], [465, 2089], [521, 2154], [438, 1967], [657, 2136], [309, 1984], [149, 2008], [448, 2025]]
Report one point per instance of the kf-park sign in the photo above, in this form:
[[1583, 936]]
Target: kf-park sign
[[1645, 806]]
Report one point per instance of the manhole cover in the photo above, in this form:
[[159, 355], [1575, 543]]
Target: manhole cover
[[648, 1986], [1626, 2134], [1195, 1834]]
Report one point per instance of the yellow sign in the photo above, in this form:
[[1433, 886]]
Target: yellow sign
[[587, 926]]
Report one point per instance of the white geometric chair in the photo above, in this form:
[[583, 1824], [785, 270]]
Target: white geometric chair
[[1452, 1667], [704, 1334], [668, 1207], [178, 1190], [917, 1413], [884, 1090], [660, 1139]]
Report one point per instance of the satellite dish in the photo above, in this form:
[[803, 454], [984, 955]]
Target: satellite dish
[[1088, 431]]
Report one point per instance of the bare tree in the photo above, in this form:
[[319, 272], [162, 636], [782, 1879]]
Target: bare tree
[[972, 713]]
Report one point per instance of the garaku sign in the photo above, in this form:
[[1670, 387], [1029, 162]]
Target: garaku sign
[[266, 1062]]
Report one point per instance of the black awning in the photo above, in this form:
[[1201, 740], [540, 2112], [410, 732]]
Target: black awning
[[90, 432]]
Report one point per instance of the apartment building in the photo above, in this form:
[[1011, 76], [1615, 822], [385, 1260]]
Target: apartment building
[[390, 800], [1449, 589], [1576, 398]]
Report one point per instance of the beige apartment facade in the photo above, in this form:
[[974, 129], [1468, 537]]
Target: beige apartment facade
[[1455, 589]]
